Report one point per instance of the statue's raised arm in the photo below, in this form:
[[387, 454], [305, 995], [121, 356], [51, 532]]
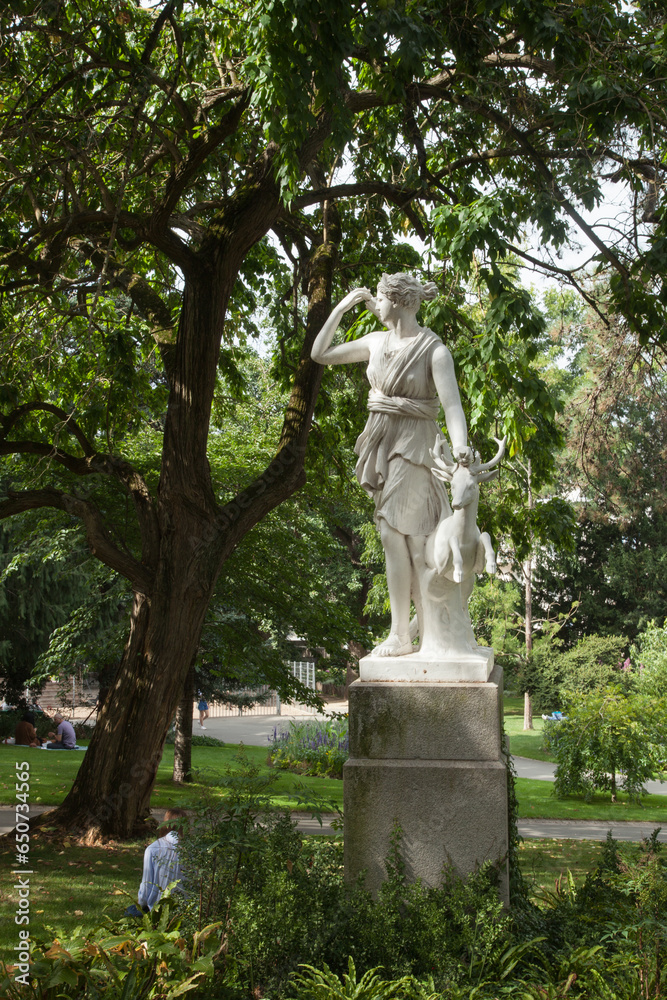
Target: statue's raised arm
[[355, 350]]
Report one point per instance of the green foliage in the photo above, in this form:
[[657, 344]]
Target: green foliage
[[312, 747], [613, 463], [610, 932], [593, 663], [649, 660], [45, 572], [94, 634], [541, 677], [118, 960], [609, 740], [316, 984], [197, 740], [298, 571], [642, 937], [284, 901], [494, 612], [553, 676]]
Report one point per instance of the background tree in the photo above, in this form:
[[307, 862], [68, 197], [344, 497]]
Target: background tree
[[152, 151], [649, 660], [613, 469], [608, 741], [45, 574]]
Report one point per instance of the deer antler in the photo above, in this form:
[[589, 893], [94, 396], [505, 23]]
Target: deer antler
[[494, 461]]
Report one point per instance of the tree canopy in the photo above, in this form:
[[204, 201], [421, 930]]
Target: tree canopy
[[174, 176]]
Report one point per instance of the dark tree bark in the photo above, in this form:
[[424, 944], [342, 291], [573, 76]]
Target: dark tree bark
[[183, 722], [105, 679]]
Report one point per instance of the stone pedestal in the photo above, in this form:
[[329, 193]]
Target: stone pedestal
[[429, 667], [428, 757]]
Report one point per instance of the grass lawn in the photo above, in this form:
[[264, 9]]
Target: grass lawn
[[523, 743], [51, 775], [537, 801], [71, 885], [544, 861], [526, 743]]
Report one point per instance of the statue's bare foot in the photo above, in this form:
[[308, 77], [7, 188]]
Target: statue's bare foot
[[394, 645]]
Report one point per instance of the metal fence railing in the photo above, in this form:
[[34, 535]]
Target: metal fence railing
[[268, 701], [304, 671], [265, 705]]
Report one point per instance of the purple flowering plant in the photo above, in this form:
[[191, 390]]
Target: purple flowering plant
[[314, 746]]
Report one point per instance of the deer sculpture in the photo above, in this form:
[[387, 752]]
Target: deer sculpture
[[454, 552], [456, 549]]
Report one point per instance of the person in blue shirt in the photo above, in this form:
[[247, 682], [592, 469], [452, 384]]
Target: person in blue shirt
[[161, 864]]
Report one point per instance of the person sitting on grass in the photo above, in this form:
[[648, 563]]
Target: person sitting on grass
[[161, 865], [64, 737], [25, 734]]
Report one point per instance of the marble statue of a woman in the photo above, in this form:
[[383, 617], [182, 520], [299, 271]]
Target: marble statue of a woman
[[411, 373]]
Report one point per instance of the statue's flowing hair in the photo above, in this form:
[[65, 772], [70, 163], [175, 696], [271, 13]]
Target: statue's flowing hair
[[404, 290]]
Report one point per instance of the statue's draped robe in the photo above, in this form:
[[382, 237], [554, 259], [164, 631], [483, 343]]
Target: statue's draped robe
[[394, 464]]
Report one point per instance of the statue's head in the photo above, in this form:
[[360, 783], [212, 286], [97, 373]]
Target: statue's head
[[404, 290]]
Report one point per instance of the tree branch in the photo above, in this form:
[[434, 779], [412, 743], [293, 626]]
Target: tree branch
[[568, 275], [79, 466], [522, 60], [498, 119], [68, 422], [97, 535], [154, 33], [199, 150], [93, 463], [81, 224]]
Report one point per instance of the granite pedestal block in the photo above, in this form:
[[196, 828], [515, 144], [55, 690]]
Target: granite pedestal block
[[427, 756]]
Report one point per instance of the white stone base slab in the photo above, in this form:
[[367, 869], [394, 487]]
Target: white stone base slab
[[425, 668]]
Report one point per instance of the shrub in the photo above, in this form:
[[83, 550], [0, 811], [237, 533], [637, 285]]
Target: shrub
[[592, 664], [649, 658], [541, 676], [595, 662], [282, 900], [609, 936], [313, 747], [198, 740], [118, 960], [608, 740]]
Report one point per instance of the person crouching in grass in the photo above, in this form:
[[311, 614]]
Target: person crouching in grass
[[161, 864]]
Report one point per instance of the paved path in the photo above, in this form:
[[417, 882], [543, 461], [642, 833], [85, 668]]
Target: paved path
[[567, 829]]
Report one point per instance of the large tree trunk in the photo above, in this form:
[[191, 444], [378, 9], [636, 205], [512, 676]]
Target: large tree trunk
[[528, 595], [186, 551], [183, 740], [105, 678], [111, 793]]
